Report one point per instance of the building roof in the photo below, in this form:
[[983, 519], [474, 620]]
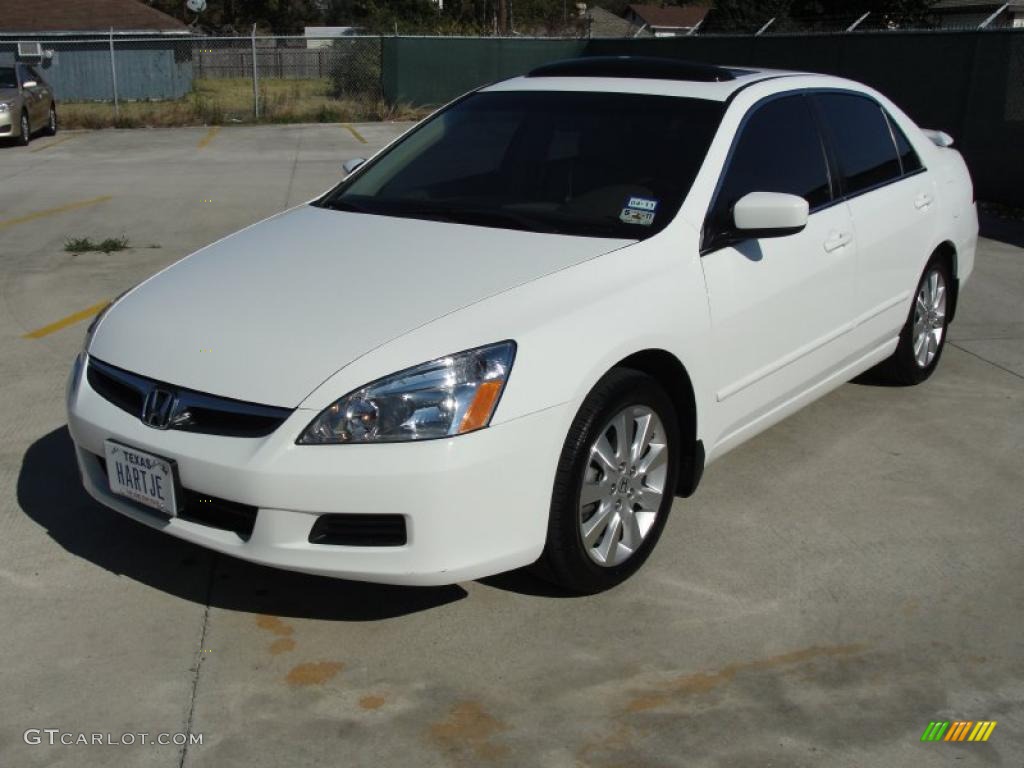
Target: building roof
[[670, 16], [329, 31], [604, 23], [52, 16]]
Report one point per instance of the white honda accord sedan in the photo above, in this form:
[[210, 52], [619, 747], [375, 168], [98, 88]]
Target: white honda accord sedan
[[514, 335]]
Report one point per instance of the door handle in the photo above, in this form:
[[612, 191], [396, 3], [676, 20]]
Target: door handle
[[922, 201], [836, 240]]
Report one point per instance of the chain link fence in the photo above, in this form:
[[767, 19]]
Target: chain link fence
[[124, 81], [154, 81]]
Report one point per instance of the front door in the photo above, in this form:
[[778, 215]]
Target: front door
[[780, 307], [35, 102]]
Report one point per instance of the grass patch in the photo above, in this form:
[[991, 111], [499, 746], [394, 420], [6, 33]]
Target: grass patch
[[220, 101], [85, 245]]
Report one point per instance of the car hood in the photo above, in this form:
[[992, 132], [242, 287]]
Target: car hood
[[269, 313]]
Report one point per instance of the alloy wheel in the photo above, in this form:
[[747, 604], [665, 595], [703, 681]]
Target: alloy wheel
[[623, 485], [929, 318]]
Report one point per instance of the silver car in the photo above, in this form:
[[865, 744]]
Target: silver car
[[27, 104]]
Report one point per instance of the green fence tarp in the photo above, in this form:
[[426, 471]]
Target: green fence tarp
[[969, 84]]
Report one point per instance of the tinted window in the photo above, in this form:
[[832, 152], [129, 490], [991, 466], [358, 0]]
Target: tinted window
[[779, 150], [596, 164], [909, 160], [863, 143], [7, 78]]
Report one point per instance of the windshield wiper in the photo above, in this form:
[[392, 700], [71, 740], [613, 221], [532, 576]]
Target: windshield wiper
[[502, 219], [344, 205], [459, 215]]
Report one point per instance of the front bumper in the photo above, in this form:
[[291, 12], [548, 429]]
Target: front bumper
[[474, 505], [9, 126]]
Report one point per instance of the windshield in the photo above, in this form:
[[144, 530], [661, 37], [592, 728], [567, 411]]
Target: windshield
[[595, 164], [7, 78]]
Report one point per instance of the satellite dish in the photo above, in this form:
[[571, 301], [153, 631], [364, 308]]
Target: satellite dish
[[196, 6]]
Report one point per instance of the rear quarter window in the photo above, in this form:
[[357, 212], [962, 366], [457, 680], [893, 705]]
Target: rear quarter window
[[909, 161]]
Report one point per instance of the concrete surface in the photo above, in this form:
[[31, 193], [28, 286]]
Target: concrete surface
[[836, 584]]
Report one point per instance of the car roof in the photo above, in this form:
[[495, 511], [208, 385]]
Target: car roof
[[649, 75]]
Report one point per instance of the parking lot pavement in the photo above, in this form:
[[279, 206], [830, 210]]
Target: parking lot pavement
[[836, 584]]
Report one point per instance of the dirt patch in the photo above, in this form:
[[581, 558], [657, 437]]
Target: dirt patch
[[274, 625], [313, 672], [466, 735], [372, 702], [283, 645], [704, 682]]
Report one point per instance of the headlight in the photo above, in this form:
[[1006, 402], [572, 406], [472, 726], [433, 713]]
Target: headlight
[[5, 106], [449, 396]]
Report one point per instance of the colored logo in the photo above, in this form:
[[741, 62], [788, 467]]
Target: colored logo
[[958, 730]]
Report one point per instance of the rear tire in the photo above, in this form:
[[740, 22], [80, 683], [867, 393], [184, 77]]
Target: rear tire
[[26, 130], [612, 494], [924, 334]]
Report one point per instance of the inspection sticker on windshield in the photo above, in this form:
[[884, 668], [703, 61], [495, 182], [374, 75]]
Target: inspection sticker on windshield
[[639, 210], [642, 204]]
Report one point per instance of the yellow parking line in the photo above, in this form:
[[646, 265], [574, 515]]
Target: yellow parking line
[[208, 137], [5, 223], [78, 317], [53, 143], [351, 129]]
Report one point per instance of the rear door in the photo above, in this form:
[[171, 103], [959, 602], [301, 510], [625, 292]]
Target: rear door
[[780, 307], [891, 199]]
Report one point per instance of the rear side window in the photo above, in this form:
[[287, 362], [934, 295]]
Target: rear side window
[[909, 161], [862, 139], [779, 150]]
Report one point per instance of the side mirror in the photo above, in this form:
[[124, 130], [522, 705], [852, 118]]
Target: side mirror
[[29, 84], [769, 214], [350, 165]]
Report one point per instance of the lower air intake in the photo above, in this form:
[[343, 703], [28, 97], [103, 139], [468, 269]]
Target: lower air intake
[[359, 530]]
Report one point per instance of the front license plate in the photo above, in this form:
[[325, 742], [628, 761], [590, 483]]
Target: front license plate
[[141, 477]]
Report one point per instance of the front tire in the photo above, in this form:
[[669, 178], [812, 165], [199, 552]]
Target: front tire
[[51, 124], [614, 484], [924, 335], [26, 131]]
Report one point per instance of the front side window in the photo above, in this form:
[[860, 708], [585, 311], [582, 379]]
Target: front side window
[[779, 150], [592, 164], [863, 142]]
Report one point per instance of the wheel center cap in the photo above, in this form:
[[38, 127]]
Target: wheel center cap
[[623, 485]]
